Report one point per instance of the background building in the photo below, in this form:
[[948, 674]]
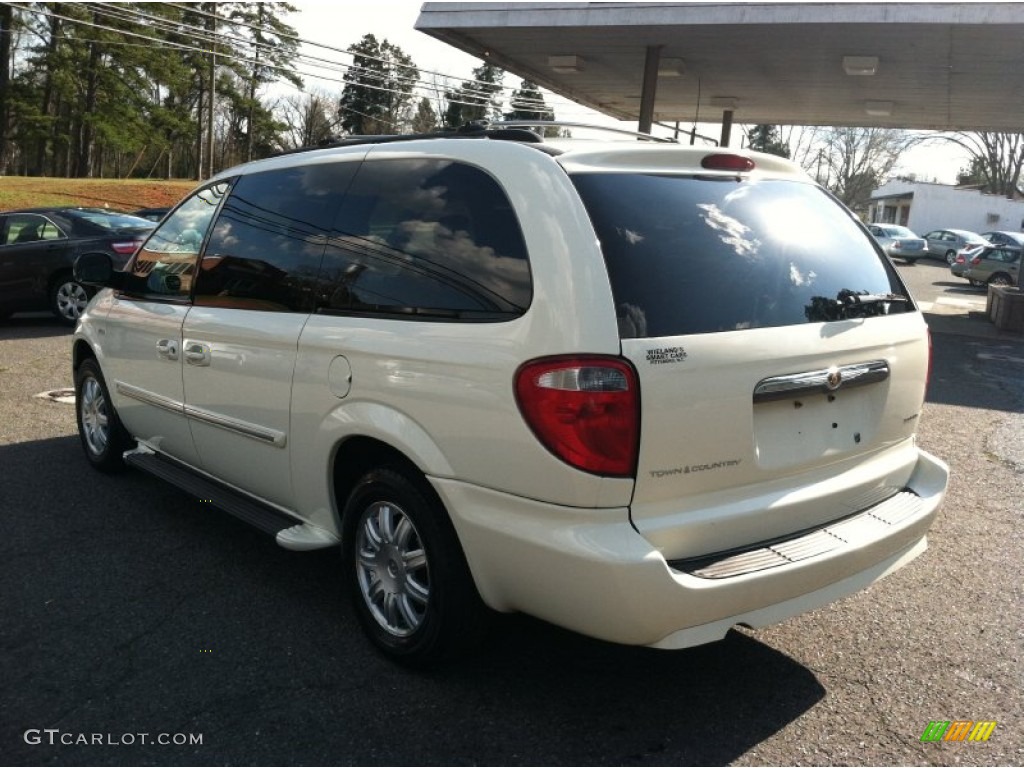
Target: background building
[[924, 206]]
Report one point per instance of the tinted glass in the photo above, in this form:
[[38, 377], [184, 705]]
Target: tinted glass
[[431, 238], [695, 255], [165, 264], [265, 249]]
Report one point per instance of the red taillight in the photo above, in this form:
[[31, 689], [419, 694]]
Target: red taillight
[[960, 258], [585, 410], [976, 261], [723, 162], [126, 248]]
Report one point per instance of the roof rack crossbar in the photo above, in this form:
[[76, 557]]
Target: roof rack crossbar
[[570, 124], [502, 130]]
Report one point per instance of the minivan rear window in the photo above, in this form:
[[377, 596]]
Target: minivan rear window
[[697, 254]]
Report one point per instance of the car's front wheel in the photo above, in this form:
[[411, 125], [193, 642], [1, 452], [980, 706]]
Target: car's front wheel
[[1000, 279], [103, 438], [410, 586], [68, 298]]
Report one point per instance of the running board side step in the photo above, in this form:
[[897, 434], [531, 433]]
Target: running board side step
[[289, 532]]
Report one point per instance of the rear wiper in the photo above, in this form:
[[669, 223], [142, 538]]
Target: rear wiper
[[849, 304], [849, 298]]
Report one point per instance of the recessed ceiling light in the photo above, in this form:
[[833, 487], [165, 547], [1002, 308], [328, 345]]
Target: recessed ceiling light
[[878, 108], [860, 65], [565, 64], [671, 68]]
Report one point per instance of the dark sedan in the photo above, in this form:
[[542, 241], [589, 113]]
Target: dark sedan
[[153, 214], [38, 247]]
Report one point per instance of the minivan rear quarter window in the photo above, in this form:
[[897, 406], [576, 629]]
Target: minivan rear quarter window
[[426, 238], [688, 254]]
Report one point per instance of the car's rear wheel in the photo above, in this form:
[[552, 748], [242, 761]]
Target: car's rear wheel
[[1000, 279], [976, 283], [103, 438], [68, 298], [951, 257], [410, 586]]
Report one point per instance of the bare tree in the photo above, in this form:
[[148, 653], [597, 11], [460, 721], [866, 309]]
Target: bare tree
[[997, 157], [308, 117], [852, 162]]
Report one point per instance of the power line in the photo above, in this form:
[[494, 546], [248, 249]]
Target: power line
[[481, 96]]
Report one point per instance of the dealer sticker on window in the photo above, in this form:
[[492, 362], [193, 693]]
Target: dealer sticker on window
[[665, 355]]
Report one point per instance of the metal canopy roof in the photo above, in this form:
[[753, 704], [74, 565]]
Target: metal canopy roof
[[940, 65]]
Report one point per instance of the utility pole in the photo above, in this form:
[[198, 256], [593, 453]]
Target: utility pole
[[210, 103]]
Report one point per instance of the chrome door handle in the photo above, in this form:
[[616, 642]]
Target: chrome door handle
[[197, 353], [167, 348]]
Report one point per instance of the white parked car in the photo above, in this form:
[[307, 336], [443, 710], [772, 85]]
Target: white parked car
[[645, 392]]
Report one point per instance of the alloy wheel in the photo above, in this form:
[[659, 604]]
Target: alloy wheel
[[71, 300], [392, 569], [95, 420]]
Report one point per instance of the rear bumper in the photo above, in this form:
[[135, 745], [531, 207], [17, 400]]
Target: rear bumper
[[590, 571]]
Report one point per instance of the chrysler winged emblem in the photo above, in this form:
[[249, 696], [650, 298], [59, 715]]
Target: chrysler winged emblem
[[833, 379]]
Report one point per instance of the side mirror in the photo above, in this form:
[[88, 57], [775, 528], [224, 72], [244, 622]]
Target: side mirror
[[98, 270]]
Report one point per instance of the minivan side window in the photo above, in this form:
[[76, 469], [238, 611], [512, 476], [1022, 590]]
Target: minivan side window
[[265, 249], [165, 265], [426, 238]]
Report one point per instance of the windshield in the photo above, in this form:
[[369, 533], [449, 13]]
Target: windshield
[[697, 255]]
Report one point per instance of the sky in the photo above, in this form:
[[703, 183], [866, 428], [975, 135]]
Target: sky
[[341, 23]]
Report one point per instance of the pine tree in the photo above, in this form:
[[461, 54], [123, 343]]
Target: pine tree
[[476, 99], [425, 119], [765, 138], [378, 90]]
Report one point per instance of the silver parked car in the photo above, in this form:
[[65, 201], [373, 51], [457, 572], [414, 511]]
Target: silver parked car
[[946, 242], [1005, 238], [899, 242]]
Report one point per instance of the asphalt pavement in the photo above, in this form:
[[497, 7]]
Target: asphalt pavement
[[133, 614]]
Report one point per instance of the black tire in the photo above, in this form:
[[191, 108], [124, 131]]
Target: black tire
[[951, 257], [1000, 279], [977, 283], [104, 439], [68, 298], [408, 580]]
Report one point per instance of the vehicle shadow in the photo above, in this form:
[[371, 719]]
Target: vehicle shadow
[[166, 615], [962, 287], [977, 373], [33, 325]]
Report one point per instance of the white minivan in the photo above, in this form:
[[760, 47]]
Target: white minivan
[[642, 391]]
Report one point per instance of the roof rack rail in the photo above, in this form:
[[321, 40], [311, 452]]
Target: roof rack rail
[[511, 124], [476, 129]]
